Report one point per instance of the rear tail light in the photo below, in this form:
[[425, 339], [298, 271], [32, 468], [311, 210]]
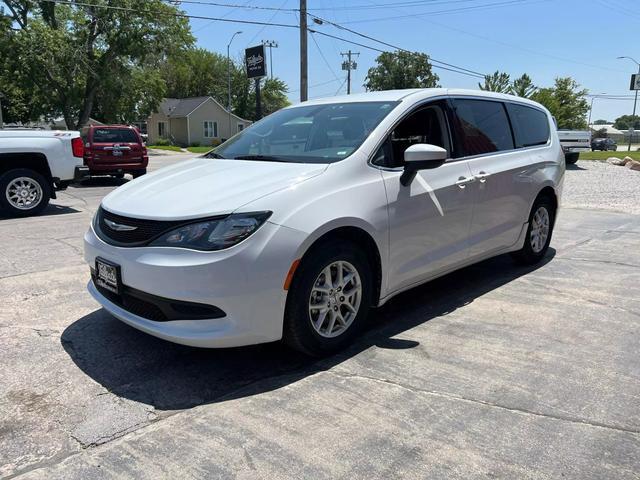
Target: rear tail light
[[77, 147]]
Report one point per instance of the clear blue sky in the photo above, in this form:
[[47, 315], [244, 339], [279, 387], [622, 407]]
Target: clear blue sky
[[544, 38]]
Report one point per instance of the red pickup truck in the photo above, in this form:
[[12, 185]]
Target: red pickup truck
[[114, 150]]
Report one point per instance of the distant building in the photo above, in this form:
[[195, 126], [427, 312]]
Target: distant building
[[187, 121]]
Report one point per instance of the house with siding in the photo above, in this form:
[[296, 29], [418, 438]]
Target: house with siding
[[194, 120]]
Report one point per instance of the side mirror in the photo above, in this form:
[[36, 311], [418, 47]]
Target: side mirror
[[421, 156]]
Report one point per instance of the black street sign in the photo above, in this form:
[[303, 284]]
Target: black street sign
[[635, 82], [254, 59]]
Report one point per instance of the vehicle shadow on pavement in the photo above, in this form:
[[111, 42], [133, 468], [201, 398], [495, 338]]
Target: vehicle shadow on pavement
[[574, 166], [139, 367], [101, 182], [51, 210]]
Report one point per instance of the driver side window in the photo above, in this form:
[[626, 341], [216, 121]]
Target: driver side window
[[426, 125]]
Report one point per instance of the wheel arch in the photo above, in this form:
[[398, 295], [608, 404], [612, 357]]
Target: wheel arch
[[358, 236], [35, 161]]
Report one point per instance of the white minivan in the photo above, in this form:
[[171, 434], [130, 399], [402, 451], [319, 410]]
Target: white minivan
[[295, 227]]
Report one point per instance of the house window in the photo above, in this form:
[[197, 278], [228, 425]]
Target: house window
[[240, 127], [210, 129], [162, 129]]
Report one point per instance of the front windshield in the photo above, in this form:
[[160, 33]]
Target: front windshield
[[307, 134]]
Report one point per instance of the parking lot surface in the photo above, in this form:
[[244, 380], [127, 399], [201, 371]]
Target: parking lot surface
[[495, 371]]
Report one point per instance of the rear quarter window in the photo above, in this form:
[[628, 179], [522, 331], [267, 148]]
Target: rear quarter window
[[114, 135], [481, 126], [530, 125]]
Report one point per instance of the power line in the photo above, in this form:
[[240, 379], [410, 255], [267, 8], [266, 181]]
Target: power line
[[231, 5], [174, 14], [395, 47], [323, 57], [369, 47]]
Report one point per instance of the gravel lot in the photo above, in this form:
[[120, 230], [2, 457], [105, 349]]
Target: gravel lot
[[493, 372], [593, 184]]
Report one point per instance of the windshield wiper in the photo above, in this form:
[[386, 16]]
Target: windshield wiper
[[265, 158]]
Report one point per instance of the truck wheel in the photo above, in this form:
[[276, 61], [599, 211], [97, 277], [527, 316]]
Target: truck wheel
[[572, 157], [24, 192], [138, 173]]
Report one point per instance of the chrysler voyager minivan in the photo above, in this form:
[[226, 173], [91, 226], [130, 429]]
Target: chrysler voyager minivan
[[294, 228]]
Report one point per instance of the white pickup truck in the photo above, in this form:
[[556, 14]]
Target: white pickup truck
[[573, 142], [34, 164]]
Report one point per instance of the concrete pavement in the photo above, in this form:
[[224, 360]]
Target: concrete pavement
[[495, 371]]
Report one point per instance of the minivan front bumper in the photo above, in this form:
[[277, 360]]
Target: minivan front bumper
[[245, 282]]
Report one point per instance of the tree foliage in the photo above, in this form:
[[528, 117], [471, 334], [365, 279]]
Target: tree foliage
[[566, 102], [199, 72], [602, 122], [523, 86], [70, 60], [496, 82], [401, 69], [625, 122]]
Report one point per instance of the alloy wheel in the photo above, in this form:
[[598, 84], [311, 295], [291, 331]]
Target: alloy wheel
[[335, 299], [24, 193], [539, 229]]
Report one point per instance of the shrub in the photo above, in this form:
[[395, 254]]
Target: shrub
[[163, 142], [194, 144], [215, 142]]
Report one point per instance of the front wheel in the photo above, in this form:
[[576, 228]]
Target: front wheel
[[24, 192], [329, 299], [541, 221]]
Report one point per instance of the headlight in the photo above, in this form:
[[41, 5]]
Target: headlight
[[215, 234]]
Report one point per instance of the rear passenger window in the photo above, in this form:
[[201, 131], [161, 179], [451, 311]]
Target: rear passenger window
[[530, 125], [482, 126]]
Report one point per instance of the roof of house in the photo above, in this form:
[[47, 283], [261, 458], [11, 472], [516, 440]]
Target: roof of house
[[183, 107], [609, 129]]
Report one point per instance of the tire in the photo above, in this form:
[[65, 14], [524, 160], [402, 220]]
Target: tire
[[14, 182], [533, 251], [118, 175], [572, 157], [299, 332], [138, 173]]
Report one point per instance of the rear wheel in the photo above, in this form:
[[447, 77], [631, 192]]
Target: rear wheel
[[24, 192], [541, 220], [138, 173], [118, 175], [571, 157], [329, 299]]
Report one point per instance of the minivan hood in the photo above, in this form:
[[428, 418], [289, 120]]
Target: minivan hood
[[205, 187]]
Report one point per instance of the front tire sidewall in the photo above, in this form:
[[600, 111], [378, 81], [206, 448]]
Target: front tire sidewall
[[298, 332], [8, 177]]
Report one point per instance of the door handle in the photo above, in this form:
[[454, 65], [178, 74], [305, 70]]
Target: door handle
[[463, 181], [482, 176]]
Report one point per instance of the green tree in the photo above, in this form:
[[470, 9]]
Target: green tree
[[625, 122], [66, 58], [566, 102], [496, 82], [401, 69], [195, 73], [602, 122], [523, 86]]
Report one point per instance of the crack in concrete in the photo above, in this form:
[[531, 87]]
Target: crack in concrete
[[606, 262], [576, 420]]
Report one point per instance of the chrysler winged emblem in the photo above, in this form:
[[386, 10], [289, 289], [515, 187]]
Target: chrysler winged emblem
[[118, 227]]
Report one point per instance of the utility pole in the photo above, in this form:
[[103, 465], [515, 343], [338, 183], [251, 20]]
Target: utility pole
[[304, 80], [1, 122], [229, 80], [271, 44], [635, 104], [349, 65]]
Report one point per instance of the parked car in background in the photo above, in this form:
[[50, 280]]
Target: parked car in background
[[299, 224], [604, 144], [573, 142], [114, 150], [34, 164]]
